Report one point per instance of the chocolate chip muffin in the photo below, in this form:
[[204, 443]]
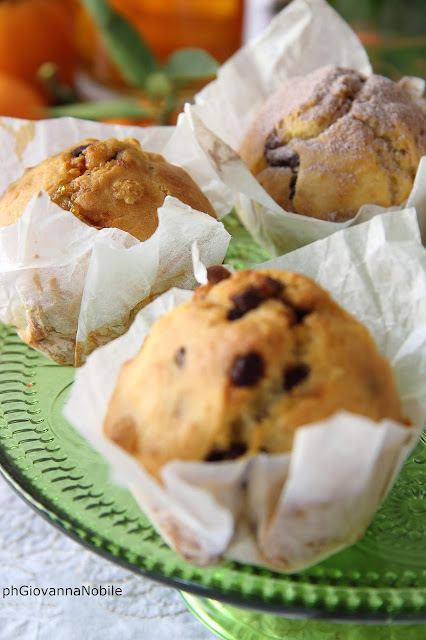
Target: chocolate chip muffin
[[326, 143], [240, 367], [106, 183]]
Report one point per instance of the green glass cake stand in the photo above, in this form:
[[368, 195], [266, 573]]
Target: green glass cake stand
[[374, 590]]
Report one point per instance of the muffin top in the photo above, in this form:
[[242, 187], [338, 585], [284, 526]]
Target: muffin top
[[240, 367], [326, 143], [106, 183]]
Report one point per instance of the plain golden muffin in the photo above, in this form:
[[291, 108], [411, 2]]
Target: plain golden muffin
[[237, 369], [106, 183], [326, 143]]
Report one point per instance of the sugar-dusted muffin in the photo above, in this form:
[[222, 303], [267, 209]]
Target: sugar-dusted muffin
[[238, 368], [326, 143], [106, 183]]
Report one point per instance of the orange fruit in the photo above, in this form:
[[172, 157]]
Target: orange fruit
[[33, 32], [19, 99]]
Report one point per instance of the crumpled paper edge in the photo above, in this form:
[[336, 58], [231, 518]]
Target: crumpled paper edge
[[193, 509]]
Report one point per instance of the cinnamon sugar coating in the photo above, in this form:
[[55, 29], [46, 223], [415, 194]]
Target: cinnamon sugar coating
[[326, 143]]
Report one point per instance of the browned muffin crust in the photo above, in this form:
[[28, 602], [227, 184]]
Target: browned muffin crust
[[106, 183]]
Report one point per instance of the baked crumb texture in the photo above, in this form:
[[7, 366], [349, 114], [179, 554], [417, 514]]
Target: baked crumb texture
[[106, 183], [326, 143], [240, 367]]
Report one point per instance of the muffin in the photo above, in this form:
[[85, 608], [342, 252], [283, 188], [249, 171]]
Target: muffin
[[326, 143], [237, 369], [67, 298], [106, 183]]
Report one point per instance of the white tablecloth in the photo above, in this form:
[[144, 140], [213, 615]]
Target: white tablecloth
[[35, 555]]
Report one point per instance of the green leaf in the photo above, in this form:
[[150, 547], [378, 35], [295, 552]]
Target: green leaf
[[158, 85], [190, 64], [124, 44], [100, 110]]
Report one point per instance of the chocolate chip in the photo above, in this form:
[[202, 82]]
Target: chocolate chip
[[180, 356], [235, 450], [292, 187], [247, 370], [253, 297], [244, 302], [273, 141], [271, 288], [216, 273], [294, 375], [79, 150], [298, 312], [282, 157]]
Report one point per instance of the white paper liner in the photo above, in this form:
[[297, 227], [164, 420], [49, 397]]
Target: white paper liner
[[288, 511], [77, 287], [306, 35]]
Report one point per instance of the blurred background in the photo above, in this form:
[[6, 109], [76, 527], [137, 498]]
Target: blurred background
[[138, 61]]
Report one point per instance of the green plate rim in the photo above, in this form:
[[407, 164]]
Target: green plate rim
[[195, 589]]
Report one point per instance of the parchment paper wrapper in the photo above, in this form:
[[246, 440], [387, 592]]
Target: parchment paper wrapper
[[288, 511], [306, 35], [73, 287]]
